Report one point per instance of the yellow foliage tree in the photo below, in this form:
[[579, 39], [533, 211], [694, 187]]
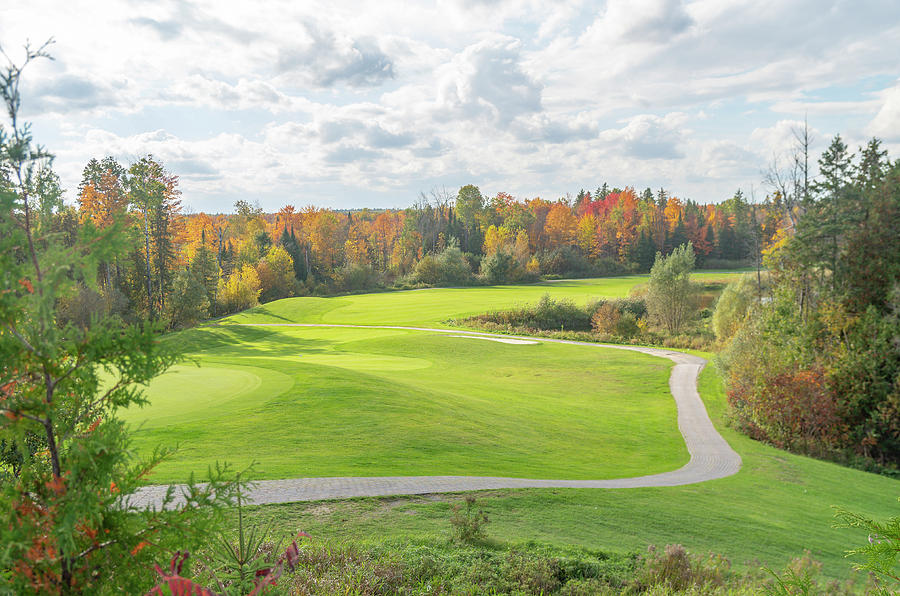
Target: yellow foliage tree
[[241, 290], [276, 274]]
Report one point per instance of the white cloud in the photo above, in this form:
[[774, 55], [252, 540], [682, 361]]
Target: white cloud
[[369, 102], [649, 137], [886, 123], [780, 140]]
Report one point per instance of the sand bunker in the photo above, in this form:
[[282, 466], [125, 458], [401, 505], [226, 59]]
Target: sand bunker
[[502, 340]]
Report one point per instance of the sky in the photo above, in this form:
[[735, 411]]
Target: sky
[[370, 104]]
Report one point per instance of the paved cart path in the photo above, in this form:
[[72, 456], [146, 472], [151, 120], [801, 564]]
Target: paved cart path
[[711, 456]]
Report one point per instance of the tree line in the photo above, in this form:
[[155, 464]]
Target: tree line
[[812, 354], [184, 267]]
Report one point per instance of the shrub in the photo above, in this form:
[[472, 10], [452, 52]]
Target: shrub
[[427, 271], [564, 261], [788, 405], [618, 318], [356, 277], [499, 268], [467, 523], [454, 268], [677, 571], [81, 306], [558, 314], [450, 268], [732, 307], [606, 318]]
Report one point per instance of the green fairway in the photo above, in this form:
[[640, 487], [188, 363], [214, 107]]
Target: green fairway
[[366, 402], [373, 402], [434, 305]]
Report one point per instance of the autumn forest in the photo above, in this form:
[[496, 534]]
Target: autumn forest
[[184, 267]]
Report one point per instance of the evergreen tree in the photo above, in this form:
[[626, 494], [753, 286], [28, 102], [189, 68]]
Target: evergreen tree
[[289, 242], [189, 302], [642, 252], [206, 271]]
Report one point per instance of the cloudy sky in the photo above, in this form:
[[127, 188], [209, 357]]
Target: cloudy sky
[[351, 104]]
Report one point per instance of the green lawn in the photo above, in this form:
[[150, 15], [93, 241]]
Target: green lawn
[[432, 306], [333, 401], [368, 402], [776, 507], [373, 402]]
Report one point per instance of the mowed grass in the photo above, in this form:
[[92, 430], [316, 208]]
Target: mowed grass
[[432, 307], [374, 402], [365, 402], [775, 508]]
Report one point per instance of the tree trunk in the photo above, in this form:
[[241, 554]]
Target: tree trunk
[[147, 247]]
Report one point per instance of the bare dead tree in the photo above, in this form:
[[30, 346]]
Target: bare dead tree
[[788, 175]]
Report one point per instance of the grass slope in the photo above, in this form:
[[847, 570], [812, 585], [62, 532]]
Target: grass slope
[[430, 307], [333, 402], [776, 507], [372, 402], [311, 402]]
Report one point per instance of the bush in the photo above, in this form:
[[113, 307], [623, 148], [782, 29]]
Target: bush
[[774, 393], [427, 271], [450, 268], [467, 523], [81, 306], [356, 278], [547, 314], [618, 318], [499, 268], [454, 268], [733, 306], [564, 262], [676, 570]]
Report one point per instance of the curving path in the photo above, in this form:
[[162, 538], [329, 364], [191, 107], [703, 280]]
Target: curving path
[[711, 456]]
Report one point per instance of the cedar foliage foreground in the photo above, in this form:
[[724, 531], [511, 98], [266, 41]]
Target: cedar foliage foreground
[[66, 524]]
